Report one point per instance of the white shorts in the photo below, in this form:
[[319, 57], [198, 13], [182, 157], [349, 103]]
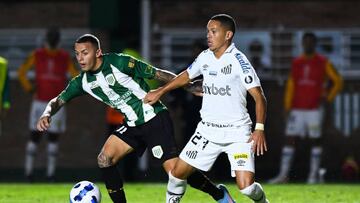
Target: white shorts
[[201, 153], [58, 121], [305, 122]]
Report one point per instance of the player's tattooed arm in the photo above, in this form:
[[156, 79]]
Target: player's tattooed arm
[[53, 106], [164, 76]]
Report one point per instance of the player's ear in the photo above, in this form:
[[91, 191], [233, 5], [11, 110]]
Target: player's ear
[[229, 35], [98, 53]]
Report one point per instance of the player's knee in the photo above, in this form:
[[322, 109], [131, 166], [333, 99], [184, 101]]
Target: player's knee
[[104, 160]]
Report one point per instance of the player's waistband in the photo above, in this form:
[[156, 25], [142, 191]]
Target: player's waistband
[[218, 125]]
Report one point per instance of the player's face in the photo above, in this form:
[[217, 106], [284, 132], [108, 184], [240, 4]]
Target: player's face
[[87, 56], [217, 37]]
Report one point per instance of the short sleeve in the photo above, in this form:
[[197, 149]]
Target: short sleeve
[[135, 67], [194, 68], [73, 89], [248, 76]]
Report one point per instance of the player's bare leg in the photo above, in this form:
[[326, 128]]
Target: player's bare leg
[[250, 188], [113, 150]]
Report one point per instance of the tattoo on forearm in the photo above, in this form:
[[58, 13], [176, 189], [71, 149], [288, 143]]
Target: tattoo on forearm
[[53, 106], [164, 76]]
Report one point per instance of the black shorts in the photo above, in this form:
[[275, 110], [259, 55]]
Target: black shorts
[[157, 135]]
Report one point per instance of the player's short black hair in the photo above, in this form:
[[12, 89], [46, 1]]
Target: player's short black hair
[[226, 21], [309, 35], [53, 37], [89, 38]]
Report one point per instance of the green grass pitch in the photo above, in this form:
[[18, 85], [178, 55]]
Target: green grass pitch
[[155, 193]]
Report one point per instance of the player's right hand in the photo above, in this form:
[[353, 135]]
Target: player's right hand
[[43, 123]]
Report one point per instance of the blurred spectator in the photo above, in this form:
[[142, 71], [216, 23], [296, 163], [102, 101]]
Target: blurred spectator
[[257, 59], [4, 90], [313, 81], [51, 66]]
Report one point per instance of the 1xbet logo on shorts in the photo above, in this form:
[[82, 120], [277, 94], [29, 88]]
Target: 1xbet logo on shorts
[[212, 90]]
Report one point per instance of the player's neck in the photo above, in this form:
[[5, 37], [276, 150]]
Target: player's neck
[[98, 63], [221, 50]]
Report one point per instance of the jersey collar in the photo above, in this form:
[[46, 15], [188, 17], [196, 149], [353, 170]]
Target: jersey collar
[[230, 48]]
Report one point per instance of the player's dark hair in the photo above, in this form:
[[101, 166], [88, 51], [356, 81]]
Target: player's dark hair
[[309, 35], [53, 37], [89, 38], [226, 21]]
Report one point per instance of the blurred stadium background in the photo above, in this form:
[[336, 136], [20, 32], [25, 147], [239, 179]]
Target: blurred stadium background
[[164, 31]]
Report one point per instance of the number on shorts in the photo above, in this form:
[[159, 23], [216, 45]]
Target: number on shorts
[[195, 139]]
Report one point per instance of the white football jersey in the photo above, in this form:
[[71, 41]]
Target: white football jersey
[[225, 84]]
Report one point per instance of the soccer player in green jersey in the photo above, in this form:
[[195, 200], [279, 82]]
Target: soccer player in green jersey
[[118, 80]]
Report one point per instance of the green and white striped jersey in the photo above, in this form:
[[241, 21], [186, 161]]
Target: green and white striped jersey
[[119, 83]]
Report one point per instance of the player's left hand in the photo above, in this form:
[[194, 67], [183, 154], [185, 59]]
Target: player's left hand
[[153, 96], [259, 146]]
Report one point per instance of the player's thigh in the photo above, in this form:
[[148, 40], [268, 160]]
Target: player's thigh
[[160, 138], [241, 157], [295, 125], [314, 120], [200, 152], [115, 148]]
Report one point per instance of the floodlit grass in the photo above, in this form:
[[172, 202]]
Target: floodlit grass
[[155, 193]]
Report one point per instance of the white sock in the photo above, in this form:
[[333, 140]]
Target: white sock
[[315, 160], [52, 150], [286, 159], [175, 189], [255, 192], [30, 151]]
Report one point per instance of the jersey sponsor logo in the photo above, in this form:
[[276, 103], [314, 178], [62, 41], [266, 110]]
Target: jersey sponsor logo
[[213, 73], [93, 85], [226, 70], [243, 64], [241, 156], [248, 79], [110, 79], [191, 154], [157, 151], [212, 90]]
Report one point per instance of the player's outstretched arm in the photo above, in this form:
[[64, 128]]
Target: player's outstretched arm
[[164, 75], [179, 81], [52, 107]]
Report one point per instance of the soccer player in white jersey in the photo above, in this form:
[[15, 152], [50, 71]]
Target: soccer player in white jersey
[[118, 80], [225, 125]]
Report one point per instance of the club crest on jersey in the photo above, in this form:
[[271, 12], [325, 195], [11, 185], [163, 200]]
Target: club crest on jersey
[[110, 79], [226, 70]]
